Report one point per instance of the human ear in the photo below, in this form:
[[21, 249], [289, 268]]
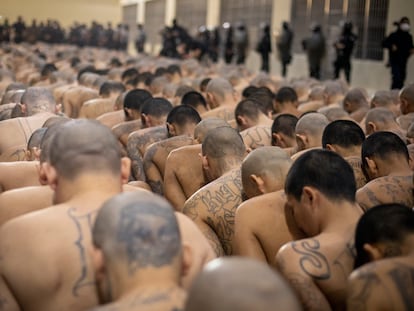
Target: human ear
[[373, 252], [125, 169], [50, 175], [259, 182]]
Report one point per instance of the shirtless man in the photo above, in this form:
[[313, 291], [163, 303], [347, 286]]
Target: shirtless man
[[262, 224], [195, 100], [356, 104], [406, 107], [253, 123], [229, 284], [138, 258], [74, 98], [308, 131], [283, 132], [182, 181], [286, 101], [181, 122], [132, 104], [384, 234], [221, 99], [108, 92], [81, 184], [320, 189], [382, 119], [117, 116], [345, 137], [153, 117], [213, 207], [38, 105], [385, 162]]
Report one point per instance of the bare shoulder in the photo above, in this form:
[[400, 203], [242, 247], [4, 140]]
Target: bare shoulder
[[386, 189], [382, 285]]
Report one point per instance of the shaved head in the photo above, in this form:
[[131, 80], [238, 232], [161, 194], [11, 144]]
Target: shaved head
[[407, 99], [81, 146], [270, 163], [220, 87], [241, 284], [140, 229], [38, 99], [312, 124], [206, 125], [222, 142]]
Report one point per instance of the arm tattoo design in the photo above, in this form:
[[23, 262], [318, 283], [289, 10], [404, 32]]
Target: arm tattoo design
[[83, 224], [312, 261], [150, 236], [137, 167], [309, 295], [349, 253]]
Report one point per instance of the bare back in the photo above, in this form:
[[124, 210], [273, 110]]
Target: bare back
[[387, 284], [263, 225], [257, 136], [18, 174], [156, 156], [182, 181], [93, 108], [213, 209], [387, 189], [17, 202], [15, 133], [110, 119], [59, 248]]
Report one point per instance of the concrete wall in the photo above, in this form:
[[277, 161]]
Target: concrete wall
[[65, 11]]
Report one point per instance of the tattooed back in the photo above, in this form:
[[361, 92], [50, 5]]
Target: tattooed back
[[383, 285]]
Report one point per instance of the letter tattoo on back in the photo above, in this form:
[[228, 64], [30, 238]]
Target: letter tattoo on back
[[83, 225]]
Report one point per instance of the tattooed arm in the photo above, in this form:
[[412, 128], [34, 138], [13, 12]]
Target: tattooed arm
[[301, 263], [137, 167], [152, 173], [195, 209]]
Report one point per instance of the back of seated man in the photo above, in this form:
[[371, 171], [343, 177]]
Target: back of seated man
[[221, 99], [38, 105], [117, 116], [182, 181], [356, 104], [108, 93], [74, 98], [385, 99], [181, 122], [213, 207], [309, 131], [195, 100], [286, 101], [283, 132], [132, 104], [333, 113], [262, 225], [153, 117], [85, 169], [253, 123], [385, 162], [138, 254], [33, 145], [254, 286], [320, 189], [384, 237], [406, 106], [345, 137]]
